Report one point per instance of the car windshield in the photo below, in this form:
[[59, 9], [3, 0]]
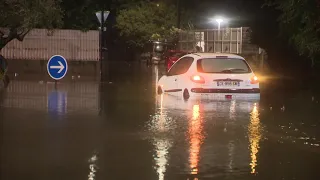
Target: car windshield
[[222, 65]]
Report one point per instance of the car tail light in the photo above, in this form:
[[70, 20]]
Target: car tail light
[[197, 79], [254, 80]]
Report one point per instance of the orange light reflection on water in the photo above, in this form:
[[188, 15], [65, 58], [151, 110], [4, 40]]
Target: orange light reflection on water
[[195, 138], [254, 137]]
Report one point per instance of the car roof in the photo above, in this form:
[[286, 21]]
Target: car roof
[[214, 55]]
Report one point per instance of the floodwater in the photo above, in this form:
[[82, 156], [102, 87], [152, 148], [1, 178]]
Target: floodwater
[[120, 129]]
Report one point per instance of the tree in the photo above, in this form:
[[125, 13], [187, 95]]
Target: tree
[[147, 21], [19, 17], [300, 23], [79, 14]]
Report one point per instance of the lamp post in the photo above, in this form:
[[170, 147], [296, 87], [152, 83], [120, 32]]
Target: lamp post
[[102, 17], [219, 21]]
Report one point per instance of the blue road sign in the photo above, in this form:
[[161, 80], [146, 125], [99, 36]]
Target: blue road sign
[[57, 103], [57, 67]]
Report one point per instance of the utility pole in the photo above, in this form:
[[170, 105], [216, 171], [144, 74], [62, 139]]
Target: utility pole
[[101, 38]]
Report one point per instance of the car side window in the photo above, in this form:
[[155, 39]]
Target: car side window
[[181, 66]]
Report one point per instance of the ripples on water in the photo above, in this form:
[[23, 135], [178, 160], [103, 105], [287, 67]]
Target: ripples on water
[[295, 122]]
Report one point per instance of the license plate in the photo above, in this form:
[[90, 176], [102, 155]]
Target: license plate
[[228, 83]]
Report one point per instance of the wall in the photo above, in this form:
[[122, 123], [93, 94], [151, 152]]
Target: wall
[[41, 44]]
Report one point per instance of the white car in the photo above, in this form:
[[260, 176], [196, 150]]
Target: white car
[[202, 74]]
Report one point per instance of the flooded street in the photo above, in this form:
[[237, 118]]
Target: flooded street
[[83, 129]]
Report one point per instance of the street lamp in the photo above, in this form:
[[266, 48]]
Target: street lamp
[[220, 20], [102, 17]]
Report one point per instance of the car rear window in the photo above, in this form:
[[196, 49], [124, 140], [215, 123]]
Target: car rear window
[[223, 65]]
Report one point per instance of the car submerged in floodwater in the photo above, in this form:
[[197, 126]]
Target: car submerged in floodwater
[[210, 74], [4, 78]]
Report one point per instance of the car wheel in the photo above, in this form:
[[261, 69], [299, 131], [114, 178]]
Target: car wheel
[[159, 90], [186, 94]]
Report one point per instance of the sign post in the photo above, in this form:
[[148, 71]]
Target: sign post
[[102, 17], [57, 103], [57, 67]]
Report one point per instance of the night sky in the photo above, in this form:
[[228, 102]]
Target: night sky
[[240, 12]]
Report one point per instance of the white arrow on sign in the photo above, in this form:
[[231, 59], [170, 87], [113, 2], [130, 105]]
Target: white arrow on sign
[[61, 67]]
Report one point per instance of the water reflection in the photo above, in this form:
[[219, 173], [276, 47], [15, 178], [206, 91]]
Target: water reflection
[[209, 145], [255, 134], [160, 126], [56, 99], [232, 112], [57, 102], [162, 148], [231, 147], [93, 166], [195, 138]]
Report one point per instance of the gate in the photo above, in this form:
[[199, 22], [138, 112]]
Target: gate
[[224, 40]]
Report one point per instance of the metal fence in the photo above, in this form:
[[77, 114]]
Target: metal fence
[[229, 40], [41, 44]]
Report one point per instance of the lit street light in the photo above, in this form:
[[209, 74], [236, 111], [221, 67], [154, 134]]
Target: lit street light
[[220, 20]]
